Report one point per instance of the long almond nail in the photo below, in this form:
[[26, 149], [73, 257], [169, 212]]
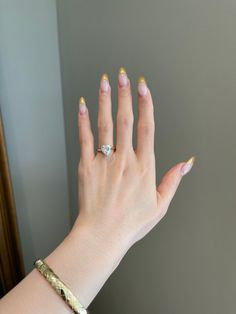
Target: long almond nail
[[142, 86], [187, 166], [104, 84], [122, 77], [82, 106]]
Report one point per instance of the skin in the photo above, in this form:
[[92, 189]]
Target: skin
[[118, 200]]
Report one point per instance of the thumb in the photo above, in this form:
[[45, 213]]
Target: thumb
[[171, 180]]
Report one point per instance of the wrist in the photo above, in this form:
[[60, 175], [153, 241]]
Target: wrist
[[85, 259], [108, 240]]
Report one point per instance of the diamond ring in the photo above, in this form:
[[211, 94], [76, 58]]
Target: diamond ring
[[106, 149]]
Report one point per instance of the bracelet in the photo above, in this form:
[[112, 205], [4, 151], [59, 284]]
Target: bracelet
[[60, 287]]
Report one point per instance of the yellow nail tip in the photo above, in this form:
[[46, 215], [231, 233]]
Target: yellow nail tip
[[104, 77], [82, 100], [122, 70], [141, 80], [191, 160]]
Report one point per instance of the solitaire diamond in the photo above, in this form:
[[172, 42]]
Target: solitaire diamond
[[106, 149]]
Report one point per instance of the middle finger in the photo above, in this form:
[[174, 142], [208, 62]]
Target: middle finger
[[105, 122]]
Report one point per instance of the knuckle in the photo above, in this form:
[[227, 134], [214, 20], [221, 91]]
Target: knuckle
[[124, 92], [127, 171], [147, 169], [143, 170], [146, 128], [85, 140], [104, 126], [126, 121], [147, 166], [120, 164]]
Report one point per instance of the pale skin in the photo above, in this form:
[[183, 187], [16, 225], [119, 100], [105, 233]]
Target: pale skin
[[118, 199]]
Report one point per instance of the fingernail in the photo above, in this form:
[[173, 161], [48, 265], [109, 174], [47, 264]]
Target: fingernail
[[122, 78], [104, 84], [142, 86], [82, 106], [187, 166]]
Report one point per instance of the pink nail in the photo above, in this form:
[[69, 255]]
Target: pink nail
[[187, 166], [122, 77], [123, 80], [82, 106], [142, 89], [104, 84], [142, 86]]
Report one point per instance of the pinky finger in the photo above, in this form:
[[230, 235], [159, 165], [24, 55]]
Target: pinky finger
[[86, 139]]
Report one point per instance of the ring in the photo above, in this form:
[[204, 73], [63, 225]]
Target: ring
[[106, 149]]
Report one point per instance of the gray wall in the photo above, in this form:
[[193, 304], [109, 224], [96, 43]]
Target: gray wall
[[31, 105], [187, 51]]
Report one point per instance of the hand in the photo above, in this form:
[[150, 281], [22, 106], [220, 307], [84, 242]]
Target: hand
[[118, 197], [118, 200]]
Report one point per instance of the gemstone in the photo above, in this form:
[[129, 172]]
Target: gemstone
[[106, 149]]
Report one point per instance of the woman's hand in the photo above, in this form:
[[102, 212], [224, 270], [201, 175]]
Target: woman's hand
[[118, 197]]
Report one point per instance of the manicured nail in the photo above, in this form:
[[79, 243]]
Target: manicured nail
[[142, 86], [187, 166], [122, 78], [82, 106], [104, 84]]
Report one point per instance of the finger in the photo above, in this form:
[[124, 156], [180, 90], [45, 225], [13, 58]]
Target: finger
[[125, 118], [146, 123], [105, 122], [171, 180], [86, 139]]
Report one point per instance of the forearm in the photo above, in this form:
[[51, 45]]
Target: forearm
[[83, 261]]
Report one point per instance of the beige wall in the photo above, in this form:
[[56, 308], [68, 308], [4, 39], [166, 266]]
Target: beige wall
[[186, 50]]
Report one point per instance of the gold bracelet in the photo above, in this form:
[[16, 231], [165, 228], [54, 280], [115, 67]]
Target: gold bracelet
[[60, 287]]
